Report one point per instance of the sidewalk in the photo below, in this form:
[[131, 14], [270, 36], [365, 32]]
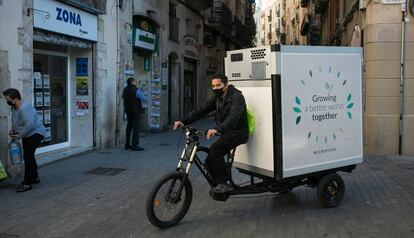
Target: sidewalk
[[379, 200]]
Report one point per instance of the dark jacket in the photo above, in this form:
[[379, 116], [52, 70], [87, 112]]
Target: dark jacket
[[232, 115], [132, 104]]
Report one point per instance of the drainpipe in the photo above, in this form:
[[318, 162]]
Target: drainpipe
[[402, 67], [117, 107]]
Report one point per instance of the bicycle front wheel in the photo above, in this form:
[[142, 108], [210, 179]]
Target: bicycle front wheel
[[166, 205]]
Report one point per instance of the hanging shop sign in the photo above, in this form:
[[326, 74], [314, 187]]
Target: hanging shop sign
[[191, 47], [60, 18], [145, 39]]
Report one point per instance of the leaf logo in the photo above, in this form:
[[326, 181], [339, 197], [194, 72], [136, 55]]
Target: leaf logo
[[349, 106], [298, 110]]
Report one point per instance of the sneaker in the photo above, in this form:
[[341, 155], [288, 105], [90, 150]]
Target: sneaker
[[137, 148], [23, 188], [222, 188]]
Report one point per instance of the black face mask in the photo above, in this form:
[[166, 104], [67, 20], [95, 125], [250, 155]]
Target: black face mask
[[218, 92], [11, 104]]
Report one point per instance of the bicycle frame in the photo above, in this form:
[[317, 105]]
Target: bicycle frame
[[189, 155]]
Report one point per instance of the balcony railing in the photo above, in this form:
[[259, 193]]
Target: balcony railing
[[200, 4], [320, 5], [239, 32], [219, 16], [304, 3]]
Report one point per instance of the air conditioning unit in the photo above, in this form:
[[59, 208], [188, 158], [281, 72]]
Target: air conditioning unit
[[362, 5]]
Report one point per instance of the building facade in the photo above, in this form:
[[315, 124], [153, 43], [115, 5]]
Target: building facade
[[63, 57], [71, 59], [191, 39]]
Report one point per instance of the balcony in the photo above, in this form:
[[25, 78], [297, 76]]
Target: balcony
[[304, 3], [304, 28], [320, 5], [210, 40], [239, 33], [200, 5], [269, 18], [269, 35], [219, 17], [278, 31], [283, 38]]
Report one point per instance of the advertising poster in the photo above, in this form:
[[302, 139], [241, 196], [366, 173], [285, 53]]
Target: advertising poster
[[321, 111], [39, 99], [46, 99], [81, 86], [40, 115], [82, 107], [37, 76], [129, 67], [48, 134], [46, 116], [155, 122], [164, 76], [46, 81]]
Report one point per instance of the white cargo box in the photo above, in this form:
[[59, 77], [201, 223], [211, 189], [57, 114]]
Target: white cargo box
[[307, 103]]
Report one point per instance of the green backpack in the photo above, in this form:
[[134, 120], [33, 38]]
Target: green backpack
[[3, 173], [250, 121]]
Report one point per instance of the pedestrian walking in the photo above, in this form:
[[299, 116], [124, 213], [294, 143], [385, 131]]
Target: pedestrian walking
[[133, 98], [25, 126]]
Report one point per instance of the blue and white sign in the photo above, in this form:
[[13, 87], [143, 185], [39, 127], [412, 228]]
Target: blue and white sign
[[61, 18]]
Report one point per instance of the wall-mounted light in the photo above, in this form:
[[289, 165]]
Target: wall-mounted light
[[127, 26]]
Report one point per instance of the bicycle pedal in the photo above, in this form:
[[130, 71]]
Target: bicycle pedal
[[219, 196]]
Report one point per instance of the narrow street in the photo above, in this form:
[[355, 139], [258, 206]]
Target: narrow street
[[69, 202]]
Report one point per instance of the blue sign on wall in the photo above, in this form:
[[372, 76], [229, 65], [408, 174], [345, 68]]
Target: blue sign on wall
[[81, 66]]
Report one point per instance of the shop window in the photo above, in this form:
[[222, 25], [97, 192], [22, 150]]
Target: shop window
[[51, 95]]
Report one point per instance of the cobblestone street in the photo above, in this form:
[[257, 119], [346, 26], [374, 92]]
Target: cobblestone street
[[379, 201]]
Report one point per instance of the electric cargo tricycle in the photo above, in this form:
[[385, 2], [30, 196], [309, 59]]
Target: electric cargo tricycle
[[307, 106]]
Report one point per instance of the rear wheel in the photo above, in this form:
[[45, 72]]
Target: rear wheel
[[166, 206], [331, 190]]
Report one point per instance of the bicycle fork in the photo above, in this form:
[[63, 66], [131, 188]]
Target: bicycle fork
[[188, 166]]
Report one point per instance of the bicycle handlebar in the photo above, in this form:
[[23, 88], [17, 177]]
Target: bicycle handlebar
[[194, 131]]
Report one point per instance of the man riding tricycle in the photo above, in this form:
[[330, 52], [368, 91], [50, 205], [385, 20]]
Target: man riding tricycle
[[307, 126]]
